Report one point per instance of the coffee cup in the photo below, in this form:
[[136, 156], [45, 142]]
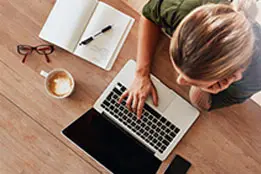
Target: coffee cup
[[59, 83]]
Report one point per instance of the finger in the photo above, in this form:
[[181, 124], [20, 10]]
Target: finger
[[135, 103], [216, 88], [224, 84], [231, 79], [210, 89], [140, 107], [124, 95], [213, 89], [154, 96], [238, 75], [129, 101]]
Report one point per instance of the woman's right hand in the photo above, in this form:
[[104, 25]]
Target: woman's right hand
[[138, 92]]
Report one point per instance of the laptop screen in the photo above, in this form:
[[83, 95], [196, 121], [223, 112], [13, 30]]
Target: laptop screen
[[110, 145]]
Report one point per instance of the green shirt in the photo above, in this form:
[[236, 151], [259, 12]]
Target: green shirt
[[168, 14]]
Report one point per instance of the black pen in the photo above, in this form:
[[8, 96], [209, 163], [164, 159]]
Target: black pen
[[91, 38]]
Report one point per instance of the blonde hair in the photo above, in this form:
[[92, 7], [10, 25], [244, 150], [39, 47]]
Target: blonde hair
[[213, 41]]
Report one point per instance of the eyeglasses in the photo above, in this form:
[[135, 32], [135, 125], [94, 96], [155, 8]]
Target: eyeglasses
[[41, 49]]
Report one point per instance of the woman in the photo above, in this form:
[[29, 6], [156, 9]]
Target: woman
[[214, 48]]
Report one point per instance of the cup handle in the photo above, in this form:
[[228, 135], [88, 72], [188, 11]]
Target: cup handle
[[43, 73]]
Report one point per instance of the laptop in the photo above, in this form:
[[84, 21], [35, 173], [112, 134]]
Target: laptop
[[114, 137]]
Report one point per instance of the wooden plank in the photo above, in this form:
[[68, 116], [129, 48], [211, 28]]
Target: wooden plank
[[22, 84], [198, 145], [137, 4], [26, 147], [216, 138], [224, 141], [38, 105]]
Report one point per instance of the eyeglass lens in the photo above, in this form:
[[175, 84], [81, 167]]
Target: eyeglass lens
[[24, 49], [44, 49]]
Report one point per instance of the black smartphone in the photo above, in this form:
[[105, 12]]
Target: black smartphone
[[178, 166]]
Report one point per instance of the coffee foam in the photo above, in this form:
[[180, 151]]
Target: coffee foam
[[60, 84]]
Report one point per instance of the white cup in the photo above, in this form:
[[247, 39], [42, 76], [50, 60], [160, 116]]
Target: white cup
[[51, 77]]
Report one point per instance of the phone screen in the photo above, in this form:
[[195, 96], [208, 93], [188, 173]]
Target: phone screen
[[178, 166]]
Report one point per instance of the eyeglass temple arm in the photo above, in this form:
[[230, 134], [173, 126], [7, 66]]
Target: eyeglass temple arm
[[24, 58], [47, 58]]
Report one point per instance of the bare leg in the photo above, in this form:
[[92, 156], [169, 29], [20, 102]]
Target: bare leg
[[199, 98]]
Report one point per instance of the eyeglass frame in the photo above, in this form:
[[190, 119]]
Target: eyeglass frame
[[35, 48]]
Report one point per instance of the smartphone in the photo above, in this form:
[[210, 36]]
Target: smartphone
[[178, 166]]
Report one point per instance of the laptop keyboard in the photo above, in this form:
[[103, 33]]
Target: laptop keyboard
[[152, 127]]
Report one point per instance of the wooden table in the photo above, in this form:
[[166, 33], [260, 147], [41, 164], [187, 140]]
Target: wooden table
[[223, 141]]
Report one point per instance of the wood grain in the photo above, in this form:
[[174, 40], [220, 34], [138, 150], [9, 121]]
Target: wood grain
[[26, 147], [137, 4], [223, 141]]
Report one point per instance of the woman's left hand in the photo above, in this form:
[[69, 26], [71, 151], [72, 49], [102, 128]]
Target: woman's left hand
[[224, 84]]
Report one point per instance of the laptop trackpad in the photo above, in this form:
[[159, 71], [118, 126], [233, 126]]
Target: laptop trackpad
[[165, 95]]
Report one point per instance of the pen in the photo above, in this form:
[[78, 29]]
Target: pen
[[91, 38]]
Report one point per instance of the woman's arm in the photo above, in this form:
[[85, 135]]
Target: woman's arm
[[147, 41], [142, 86]]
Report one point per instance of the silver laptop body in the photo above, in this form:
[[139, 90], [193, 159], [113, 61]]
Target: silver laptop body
[[160, 128]]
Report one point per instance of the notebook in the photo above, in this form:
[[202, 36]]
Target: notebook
[[71, 22]]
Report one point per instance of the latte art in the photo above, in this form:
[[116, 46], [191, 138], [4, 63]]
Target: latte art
[[60, 84]]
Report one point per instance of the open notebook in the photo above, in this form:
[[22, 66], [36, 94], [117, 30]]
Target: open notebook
[[72, 21]]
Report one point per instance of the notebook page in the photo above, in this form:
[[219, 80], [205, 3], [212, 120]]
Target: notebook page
[[117, 51], [101, 50], [67, 21]]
